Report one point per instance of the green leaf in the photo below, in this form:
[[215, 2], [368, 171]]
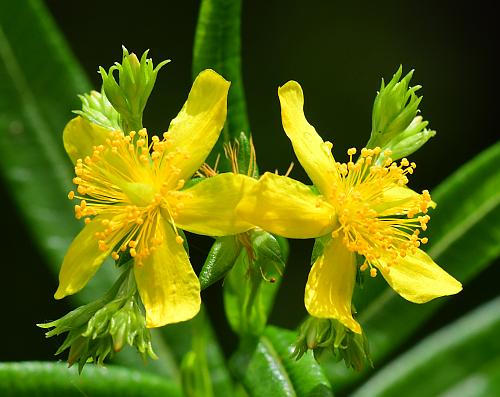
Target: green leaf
[[218, 46], [265, 368], [443, 359], [49, 379], [180, 337], [464, 223], [37, 96]]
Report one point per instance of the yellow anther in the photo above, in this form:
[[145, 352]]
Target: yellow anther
[[132, 243], [180, 184], [387, 152], [405, 162], [132, 134], [329, 146], [143, 133], [87, 221], [115, 255], [373, 272], [363, 267], [83, 204], [179, 240], [351, 151], [424, 240], [133, 252], [71, 195]]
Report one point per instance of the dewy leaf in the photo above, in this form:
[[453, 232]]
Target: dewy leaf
[[443, 359], [28, 379], [459, 229], [217, 46], [266, 368]]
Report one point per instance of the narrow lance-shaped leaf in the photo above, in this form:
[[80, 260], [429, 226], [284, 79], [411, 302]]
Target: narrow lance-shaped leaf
[[442, 359], [48, 379], [458, 230], [266, 368], [218, 46]]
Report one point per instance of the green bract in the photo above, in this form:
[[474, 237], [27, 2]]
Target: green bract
[[395, 124], [130, 93]]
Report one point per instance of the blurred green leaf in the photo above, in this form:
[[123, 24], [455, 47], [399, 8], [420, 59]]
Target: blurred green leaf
[[40, 82], [218, 46], [180, 338], [464, 238], [50, 379], [481, 382], [443, 359], [266, 368]]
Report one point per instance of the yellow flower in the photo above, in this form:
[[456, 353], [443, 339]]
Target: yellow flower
[[131, 197], [363, 207]]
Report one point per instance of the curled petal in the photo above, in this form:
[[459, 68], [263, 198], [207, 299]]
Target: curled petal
[[209, 207], [288, 208], [418, 279], [330, 285], [193, 133], [314, 154], [167, 284]]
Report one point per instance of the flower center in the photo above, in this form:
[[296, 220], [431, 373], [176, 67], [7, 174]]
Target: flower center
[[121, 182], [376, 212]]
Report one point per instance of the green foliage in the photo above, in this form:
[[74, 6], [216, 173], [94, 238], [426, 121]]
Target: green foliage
[[454, 352], [266, 367], [43, 379]]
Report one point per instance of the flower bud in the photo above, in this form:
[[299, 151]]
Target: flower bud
[[395, 124], [130, 93], [324, 334]]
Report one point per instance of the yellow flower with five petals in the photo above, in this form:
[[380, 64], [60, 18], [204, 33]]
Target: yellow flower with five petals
[[364, 208], [131, 196]]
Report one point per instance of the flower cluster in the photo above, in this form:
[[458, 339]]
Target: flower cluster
[[136, 195]]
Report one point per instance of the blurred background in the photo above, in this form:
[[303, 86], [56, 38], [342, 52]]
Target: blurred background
[[338, 51]]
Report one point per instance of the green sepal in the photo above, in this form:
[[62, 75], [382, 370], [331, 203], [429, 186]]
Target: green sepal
[[395, 124], [268, 255], [97, 109], [319, 246], [220, 260], [131, 92], [323, 335], [101, 328]]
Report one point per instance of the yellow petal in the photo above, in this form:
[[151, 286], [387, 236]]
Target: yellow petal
[[80, 136], [209, 207], [83, 258], [395, 200], [314, 154], [286, 207], [330, 285], [193, 133], [418, 279], [168, 286]]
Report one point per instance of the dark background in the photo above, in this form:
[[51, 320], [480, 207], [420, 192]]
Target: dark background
[[338, 51]]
